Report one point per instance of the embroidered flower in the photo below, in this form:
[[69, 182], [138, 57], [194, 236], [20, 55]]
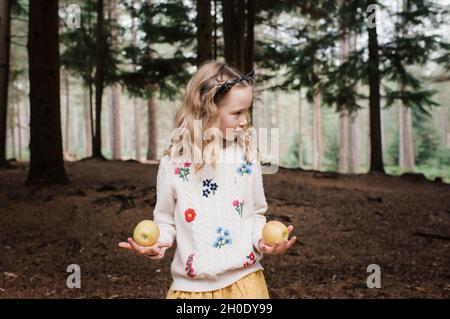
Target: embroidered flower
[[189, 215], [189, 269], [206, 182], [209, 187], [244, 168], [183, 172], [214, 187], [238, 206], [223, 238], [250, 260]]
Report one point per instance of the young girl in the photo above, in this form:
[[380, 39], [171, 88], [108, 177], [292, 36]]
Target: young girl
[[210, 193]]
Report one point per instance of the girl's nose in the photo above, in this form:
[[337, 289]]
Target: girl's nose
[[242, 121]]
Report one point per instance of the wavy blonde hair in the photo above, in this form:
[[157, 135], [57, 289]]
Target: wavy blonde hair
[[200, 105]]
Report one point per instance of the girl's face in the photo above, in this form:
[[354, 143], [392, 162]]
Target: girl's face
[[232, 110]]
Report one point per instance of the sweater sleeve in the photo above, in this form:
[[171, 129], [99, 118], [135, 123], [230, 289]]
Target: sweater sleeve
[[260, 205], [163, 214]]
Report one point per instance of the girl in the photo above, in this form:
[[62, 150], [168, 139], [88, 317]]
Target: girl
[[210, 193]]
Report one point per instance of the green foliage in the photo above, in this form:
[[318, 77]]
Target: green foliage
[[160, 23]]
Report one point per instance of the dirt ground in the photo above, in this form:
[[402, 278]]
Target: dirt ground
[[344, 223]]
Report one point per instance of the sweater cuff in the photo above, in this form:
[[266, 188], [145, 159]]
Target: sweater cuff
[[166, 236], [256, 244]]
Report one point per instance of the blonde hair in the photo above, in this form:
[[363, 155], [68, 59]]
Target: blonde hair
[[200, 103]]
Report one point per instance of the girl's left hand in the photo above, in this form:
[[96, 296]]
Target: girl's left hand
[[278, 248]]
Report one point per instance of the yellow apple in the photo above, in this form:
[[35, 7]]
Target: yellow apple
[[273, 232], [146, 233]]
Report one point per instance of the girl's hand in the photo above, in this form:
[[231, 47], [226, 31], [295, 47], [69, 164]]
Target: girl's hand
[[153, 252], [278, 248]]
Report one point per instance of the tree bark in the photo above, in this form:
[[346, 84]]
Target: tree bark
[[407, 150], [115, 91], [204, 31], [19, 131], [215, 29], [5, 40], [250, 37], [406, 146], [66, 84], [343, 116], [136, 103], [229, 34], [12, 124], [46, 156], [300, 127], [353, 142], [116, 119], [152, 131], [317, 129], [137, 129], [376, 155], [343, 140], [87, 123], [99, 79], [240, 19]]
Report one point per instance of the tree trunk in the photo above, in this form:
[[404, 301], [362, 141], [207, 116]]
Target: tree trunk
[[66, 84], [136, 103], [12, 124], [376, 155], [239, 23], [343, 116], [5, 40], [89, 65], [300, 127], [46, 156], [317, 130], [115, 90], [137, 129], [250, 38], [19, 131], [352, 123], [87, 123], [116, 129], [250, 41], [446, 132], [406, 147], [215, 29], [204, 31], [152, 131], [343, 140], [353, 142], [229, 34], [99, 79]]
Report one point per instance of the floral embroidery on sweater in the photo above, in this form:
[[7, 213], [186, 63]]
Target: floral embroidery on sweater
[[183, 172], [250, 260], [189, 215], [223, 237], [209, 187], [189, 269], [238, 206], [244, 168]]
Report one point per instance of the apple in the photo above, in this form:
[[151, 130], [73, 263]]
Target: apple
[[273, 232], [146, 233]]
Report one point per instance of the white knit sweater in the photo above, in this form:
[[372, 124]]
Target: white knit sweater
[[216, 216]]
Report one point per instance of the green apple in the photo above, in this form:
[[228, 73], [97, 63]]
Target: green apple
[[146, 233], [273, 232]]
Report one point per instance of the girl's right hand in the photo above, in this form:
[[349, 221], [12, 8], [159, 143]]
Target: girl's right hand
[[153, 252]]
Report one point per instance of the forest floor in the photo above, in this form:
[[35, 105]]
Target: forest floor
[[344, 223]]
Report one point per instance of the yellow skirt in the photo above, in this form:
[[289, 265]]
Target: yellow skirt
[[251, 286]]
